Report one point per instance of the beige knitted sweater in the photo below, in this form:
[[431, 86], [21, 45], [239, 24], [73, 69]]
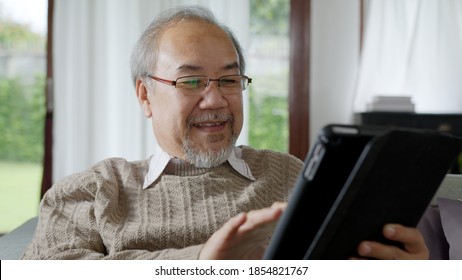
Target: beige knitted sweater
[[103, 213]]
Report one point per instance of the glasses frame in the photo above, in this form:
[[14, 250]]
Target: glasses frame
[[174, 82]]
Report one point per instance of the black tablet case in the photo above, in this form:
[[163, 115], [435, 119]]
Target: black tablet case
[[355, 180]]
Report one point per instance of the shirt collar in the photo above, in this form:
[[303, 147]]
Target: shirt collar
[[160, 159]]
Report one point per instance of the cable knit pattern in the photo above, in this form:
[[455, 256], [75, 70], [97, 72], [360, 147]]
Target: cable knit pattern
[[103, 213]]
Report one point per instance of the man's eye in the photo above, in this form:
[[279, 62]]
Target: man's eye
[[229, 82], [191, 83]]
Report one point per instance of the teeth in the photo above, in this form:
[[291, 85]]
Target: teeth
[[207, 124]]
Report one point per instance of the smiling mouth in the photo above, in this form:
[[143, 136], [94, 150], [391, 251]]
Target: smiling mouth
[[210, 121], [208, 124]]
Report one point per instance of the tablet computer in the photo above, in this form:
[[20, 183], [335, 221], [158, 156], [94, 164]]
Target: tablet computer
[[355, 180]]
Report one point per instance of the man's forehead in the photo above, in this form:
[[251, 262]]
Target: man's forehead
[[189, 45], [194, 27], [193, 32]]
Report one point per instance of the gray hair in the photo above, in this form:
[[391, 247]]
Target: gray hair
[[144, 53]]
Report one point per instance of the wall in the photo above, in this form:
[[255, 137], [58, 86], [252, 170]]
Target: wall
[[335, 35]]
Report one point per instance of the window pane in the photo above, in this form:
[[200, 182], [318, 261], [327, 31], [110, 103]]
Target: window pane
[[268, 65], [22, 108]]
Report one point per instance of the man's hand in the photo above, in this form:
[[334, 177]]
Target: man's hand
[[414, 245], [244, 236]]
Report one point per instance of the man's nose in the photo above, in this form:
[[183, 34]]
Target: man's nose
[[212, 98]]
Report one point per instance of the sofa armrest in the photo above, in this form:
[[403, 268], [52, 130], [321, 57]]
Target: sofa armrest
[[441, 225], [13, 244], [451, 188]]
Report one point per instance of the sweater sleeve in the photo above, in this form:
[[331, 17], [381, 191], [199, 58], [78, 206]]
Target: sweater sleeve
[[68, 229]]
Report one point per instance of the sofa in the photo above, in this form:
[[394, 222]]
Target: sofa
[[441, 225], [13, 244]]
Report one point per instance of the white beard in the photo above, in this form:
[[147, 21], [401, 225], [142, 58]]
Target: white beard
[[208, 159]]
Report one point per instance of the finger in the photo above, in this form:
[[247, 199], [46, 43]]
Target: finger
[[414, 245], [258, 218], [265, 214], [371, 249], [411, 238], [220, 240], [230, 228], [279, 205]]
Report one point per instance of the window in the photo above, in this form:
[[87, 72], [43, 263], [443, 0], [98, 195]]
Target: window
[[22, 109], [268, 64]]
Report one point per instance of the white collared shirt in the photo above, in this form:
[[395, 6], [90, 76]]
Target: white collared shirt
[[160, 159]]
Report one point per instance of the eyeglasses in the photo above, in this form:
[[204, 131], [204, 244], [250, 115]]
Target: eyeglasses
[[229, 84]]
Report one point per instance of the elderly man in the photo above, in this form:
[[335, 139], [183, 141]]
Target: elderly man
[[196, 197]]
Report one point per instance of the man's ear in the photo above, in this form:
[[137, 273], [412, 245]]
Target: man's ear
[[142, 95]]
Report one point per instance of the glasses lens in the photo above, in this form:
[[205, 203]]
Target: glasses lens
[[191, 82], [228, 84], [233, 83]]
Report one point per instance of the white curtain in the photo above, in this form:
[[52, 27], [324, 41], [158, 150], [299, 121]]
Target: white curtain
[[96, 114], [412, 48]]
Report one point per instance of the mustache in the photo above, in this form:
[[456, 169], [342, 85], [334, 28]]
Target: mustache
[[210, 116]]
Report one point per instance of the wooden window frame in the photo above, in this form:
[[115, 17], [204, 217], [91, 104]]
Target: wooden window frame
[[47, 175], [299, 78]]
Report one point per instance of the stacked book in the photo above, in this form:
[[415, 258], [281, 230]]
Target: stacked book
[[391, 104]]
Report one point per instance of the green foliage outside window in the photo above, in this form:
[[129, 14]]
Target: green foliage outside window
[[269, 17], [17, 34], [22, 113], [22, 102], [268, 116], [268, 106]]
